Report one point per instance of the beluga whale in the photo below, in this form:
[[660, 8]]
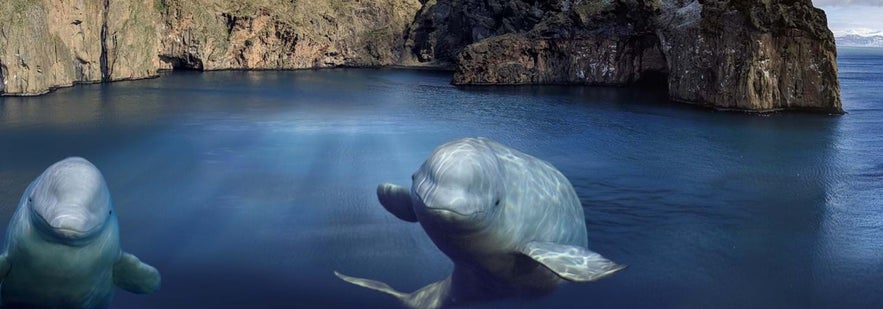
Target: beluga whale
[[512, 225], [62, 244]]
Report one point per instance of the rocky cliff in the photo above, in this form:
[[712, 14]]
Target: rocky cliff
[[583, 42], [748, 55], [37, 53], [753, 55], [214, 34], [45, 44]]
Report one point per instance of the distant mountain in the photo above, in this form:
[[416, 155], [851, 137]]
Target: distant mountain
[[859, 37], [858, 40]]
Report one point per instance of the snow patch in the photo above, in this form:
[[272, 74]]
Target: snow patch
[[865, 32]]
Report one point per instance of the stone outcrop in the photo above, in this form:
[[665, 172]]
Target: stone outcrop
[[212, 35], [595, 43], [130, 40], [50, 44], [753, 55], [45, 44], [748, 55], [442, 28]]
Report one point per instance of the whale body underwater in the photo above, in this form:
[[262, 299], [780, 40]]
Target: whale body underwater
[[62, 244], [511, 223]]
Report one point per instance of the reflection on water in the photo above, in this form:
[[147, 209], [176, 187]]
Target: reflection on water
[[250, 188]]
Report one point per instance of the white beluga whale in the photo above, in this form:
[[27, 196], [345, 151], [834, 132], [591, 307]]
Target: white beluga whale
[[511, 223], [62, 244]]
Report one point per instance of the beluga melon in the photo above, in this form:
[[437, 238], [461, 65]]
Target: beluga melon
[[511, 223]]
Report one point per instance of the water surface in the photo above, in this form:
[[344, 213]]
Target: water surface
[[247, 189]]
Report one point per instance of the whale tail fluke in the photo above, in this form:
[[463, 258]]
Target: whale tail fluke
[[372, 284], [4, 266], [429, 297]]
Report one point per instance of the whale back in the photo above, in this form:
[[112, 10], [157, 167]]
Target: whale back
[[540, 203]]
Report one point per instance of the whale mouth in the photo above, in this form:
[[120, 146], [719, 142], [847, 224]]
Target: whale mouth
[[72, 234], [447, 212], [467, 221], [62, 232]]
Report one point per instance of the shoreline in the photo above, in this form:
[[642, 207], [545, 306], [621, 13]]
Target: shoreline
[[442, 68]]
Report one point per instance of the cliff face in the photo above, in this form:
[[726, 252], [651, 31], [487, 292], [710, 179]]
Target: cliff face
[[49, 44], [36, 54], [213, 34], [749, 55], [607, 43], [755, 55], [45, 44], [130, 40], [442, 28]]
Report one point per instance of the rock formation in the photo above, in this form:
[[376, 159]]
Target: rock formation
[[215, 34], [45, 44], [747, 55], [752, 55], [596, 43], [39, 52]]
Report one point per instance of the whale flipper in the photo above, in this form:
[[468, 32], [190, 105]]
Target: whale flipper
[[430, 296], [132, 275], [4, 266], [571, 263], [397, 200], [372, 284]]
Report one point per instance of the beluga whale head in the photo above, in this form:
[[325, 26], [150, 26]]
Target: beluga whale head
[[63, 247], [512, 225], [457, 186], [70, 201]]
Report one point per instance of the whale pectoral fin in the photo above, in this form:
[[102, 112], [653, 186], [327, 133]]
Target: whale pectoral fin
[[571, 263], [372, 284], [397, 200], [132, 275], [4, 266]]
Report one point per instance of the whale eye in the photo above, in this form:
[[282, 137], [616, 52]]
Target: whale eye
[[30, 200], [497, 203]]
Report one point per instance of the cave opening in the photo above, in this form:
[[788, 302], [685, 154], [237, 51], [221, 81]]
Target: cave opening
[[655, 80], [183, 63]]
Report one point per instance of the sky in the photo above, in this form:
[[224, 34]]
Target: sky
[[846, 15]]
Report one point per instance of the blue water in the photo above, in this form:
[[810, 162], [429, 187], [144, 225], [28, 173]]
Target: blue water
[[247, 189]]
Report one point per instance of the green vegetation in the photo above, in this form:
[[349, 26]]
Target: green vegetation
[[160, 5]]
